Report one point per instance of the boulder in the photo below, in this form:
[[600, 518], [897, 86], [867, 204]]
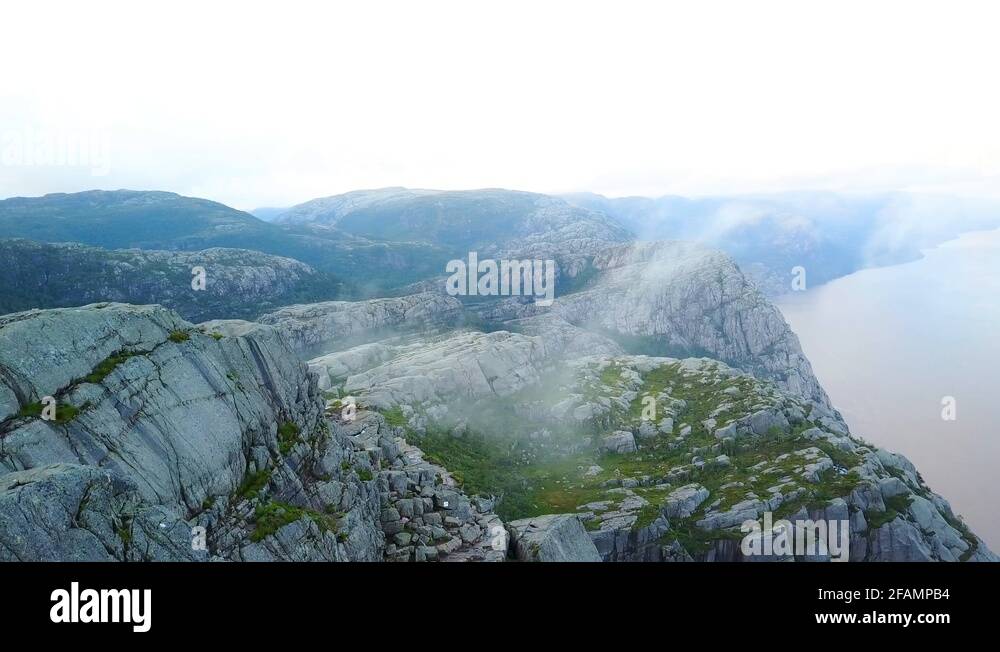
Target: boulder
[[763, 421], [553, 537], [683, 501], [620, 441]]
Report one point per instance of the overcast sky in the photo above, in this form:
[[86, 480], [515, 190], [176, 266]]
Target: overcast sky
[[274, 104]]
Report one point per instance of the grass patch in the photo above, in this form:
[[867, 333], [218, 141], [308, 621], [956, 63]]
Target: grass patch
[[31, 410], [273, 515], [878, 519], [840, 457], [64, 411], [288, 436], [646, 516], [695, 540], [394, 417], [899, 503], [833, 485], [610, 375], [106, 366], [790, 507], [253, 483], [895, 506], [493, 465], [179, 336]]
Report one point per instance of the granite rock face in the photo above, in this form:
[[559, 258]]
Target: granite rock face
[[182, 442], [682, 299], [162, 429], [469, 365], [311, 327], [456, 365], [70, 512], [554, 537]]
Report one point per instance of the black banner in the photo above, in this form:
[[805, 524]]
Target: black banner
[[245, 601]]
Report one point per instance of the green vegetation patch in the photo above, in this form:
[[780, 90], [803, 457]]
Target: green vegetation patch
[[106, 366], [253, 483], [394, 417], [271, 517], [895, 506], [611, 375], [840, 457], [179, 336], [695, 540], [487, 465], [274, 515], [288, 436], [31, 410], [899, 503], [543, 475], [64, 411]]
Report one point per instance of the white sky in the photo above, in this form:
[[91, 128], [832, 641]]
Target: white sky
[[272, 105]]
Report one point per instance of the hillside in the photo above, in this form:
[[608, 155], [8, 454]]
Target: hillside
[[239, 283]]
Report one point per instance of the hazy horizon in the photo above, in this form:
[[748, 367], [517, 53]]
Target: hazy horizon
[[265, 107]]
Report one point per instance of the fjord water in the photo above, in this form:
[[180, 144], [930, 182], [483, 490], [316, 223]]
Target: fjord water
[[889, 344]]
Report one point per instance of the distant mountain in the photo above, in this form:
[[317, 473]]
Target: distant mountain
[[166, 221], [267, 213], [495, 223], [239, 283], [828, 234], [373, 240], [127, 218], [377, 241], [466, 219]]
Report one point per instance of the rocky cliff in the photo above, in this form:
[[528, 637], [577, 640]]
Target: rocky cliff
[[162, 429], [547, 438], [662, 459], [677, 299]]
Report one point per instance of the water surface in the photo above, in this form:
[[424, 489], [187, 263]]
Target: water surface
[[890, 344]]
